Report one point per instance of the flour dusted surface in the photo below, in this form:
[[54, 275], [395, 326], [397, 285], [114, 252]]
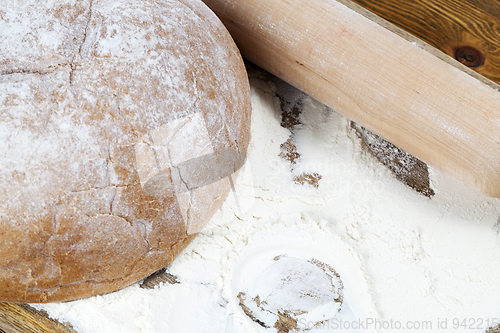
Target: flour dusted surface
[[401, 256]]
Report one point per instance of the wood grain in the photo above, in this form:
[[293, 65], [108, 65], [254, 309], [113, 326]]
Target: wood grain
[[408, 169], [158, 278], [17, 318], [449, 26], [445, 25], [378, 75]]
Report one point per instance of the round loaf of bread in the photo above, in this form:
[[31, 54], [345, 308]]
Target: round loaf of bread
[[121, 124]]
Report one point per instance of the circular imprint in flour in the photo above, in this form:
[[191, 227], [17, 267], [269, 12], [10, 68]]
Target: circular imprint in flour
[[290, 294]]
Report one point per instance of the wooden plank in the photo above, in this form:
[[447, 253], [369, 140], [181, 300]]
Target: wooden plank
[[468, 30], [378, 75], [446, 25], [22, 318]]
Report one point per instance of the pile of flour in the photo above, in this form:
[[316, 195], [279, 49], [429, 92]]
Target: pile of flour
[[406, 262]]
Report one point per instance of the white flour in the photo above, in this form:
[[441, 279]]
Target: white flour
[[405, 261]]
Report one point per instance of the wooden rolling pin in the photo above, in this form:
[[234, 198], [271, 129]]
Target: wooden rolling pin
[[379, 76]]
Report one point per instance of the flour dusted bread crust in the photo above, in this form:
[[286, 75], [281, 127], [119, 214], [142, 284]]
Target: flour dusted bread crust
[[121, 122]]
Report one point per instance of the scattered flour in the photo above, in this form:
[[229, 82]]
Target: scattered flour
[[405, 261]]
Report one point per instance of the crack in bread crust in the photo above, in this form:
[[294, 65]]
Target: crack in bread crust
[[75, 221]]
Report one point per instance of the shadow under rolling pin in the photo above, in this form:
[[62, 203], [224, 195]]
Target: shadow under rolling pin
[[391, 83]]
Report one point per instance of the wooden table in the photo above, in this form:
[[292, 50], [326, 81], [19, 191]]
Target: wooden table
[[467, 30]]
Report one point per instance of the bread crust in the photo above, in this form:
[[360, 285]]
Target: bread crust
[[80, 88]]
